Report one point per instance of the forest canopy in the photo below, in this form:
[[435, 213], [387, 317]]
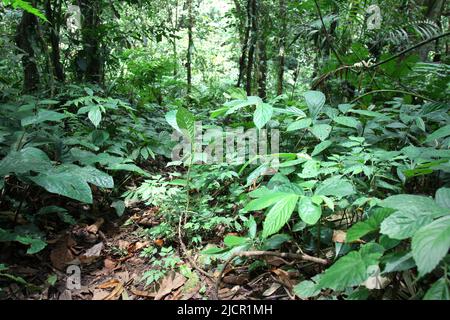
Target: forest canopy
[[224, 149]]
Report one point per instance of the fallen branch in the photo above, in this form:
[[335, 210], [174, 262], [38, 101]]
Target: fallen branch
[[286, 255]]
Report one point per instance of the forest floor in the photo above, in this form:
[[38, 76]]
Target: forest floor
[[110, 255]]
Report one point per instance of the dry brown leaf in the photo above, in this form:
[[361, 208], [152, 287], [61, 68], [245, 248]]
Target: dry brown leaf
[[61, 255], [96, 226], [283, 277], [116, 293], [123, 245], [109, 264], [99, 294], [92, 254], [271, 290], [141, 293], [239, 279], [169, 283], [339, 236], [111, 283]]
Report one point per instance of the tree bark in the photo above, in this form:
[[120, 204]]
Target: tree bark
[[190, 47], [26, 31], [245, 45], [253, 41], [53, 35], [91, 56], [433, 13], [282, 53], [262, 67]]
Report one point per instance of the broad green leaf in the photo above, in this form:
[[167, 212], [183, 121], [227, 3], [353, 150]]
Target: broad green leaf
[[265, 201], [25, 160], [95, 115], [352, 269], [372, 224], [443, 197], [308, 288], [321, 147], [300, 124], [65, 184], [321, 131], [430, 244], [335, 186], [186, 122], [128, 167], [309, 212], [440, 290], [119, 206], [315, 100], [171, 118], [399, 261], [262, 115], [275, 241], [235, 105], [25, 5], [233, 241], [438, 134], [42, 116], [96, 177], [413, 212], [279, 215], [348, 122]]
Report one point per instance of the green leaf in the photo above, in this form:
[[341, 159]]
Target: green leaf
[[264, 202], [413, 212], [300, 124], [315, 100], [42, 116], [372, 224], [439, 291], [171, 118], [95, 115], [262, 115], [235, 105], [234, 241], [348, 122], [438, 134], [128, 167], [119, 206], [430, 244], [309, 212], [65, 184], [321, 147], [307, 289], [279, 215], [352, 269], [25, 160], [96, 177], [321, 131], [399, 261], [443, 197], [275, 241], [335, 186], [27, 7], [186, 122]]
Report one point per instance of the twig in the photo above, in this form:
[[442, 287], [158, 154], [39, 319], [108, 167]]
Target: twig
[[287, 255], [393, 91]]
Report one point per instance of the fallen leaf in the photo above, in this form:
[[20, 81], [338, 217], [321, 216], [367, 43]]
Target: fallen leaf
[[96, 226], [144, 294], [123, 245], [170, 282], [108, 284], [159, 242], [271, 290], [100, 294], [339, 236], [62, 255], [92, 254]]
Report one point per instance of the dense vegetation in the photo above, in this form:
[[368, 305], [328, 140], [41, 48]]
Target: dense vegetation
[[357, 208]]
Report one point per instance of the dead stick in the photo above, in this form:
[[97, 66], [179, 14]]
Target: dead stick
[[288, 255]]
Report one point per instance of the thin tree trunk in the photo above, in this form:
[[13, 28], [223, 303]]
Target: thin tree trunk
[[245, 45], [433, 13], [253, 41], [26, 30], [262, 66], [190, 47], [282, 53], [53, 35]]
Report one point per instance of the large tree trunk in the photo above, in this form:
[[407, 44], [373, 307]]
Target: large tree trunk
[[92, 59], [26, 31], [253, 41], [190, 47], [53, 35], [262, 67], [282, 49]]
